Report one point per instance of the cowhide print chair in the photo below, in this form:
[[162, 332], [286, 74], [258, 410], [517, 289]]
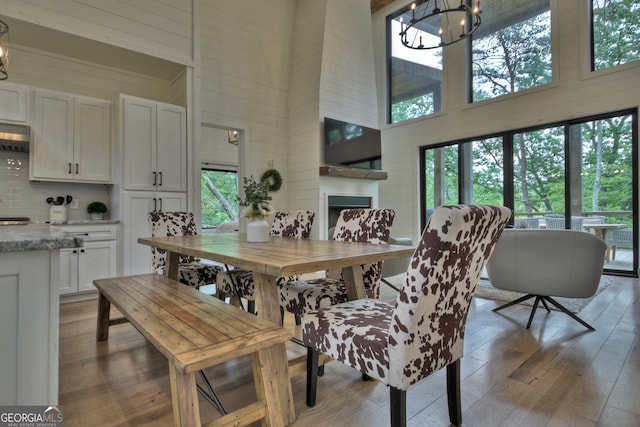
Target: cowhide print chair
[[238, 283], [400, 344], [191, 271], [353, 225]]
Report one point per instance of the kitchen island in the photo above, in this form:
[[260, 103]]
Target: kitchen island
[[29, 313]]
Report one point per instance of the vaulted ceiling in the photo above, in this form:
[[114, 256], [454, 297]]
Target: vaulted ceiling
[[379, 4]]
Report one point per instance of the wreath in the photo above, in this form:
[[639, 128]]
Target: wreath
[[272, 179]]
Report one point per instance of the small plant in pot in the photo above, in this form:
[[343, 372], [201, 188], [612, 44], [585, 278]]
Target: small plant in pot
[[96, 210]]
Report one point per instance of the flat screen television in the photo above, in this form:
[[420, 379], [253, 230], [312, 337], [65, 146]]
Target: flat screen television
[[350, 144]]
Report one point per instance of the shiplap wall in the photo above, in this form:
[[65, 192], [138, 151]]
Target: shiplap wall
[[575, 92], [160, 28], [245, 56]]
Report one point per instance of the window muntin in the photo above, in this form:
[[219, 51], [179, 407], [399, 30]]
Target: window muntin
[[219, 193], [514, 52], [615, 30], [415, 76]]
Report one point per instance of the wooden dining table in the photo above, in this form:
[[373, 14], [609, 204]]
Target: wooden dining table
[[280, 256]]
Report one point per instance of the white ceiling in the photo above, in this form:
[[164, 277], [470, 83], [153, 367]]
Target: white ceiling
[[49, 40]]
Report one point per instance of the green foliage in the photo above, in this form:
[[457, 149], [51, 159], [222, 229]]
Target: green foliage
[[96, 207], [256, 199], [616, 32], [219, 197]]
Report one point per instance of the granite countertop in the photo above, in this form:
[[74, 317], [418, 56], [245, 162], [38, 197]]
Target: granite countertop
[[35, 237]]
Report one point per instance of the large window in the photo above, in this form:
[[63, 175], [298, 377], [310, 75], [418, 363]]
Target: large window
[[219, 197], [415, 76], [615, 28], [511, 50], [577, 175]]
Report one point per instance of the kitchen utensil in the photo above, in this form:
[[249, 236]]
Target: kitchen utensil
[[49, 200], [59, 200], [69, 199]]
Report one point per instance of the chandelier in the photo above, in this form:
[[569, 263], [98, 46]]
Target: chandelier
[[432, 24], [4, 50]]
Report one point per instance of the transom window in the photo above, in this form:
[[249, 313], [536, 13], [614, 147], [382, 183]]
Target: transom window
[[511, 50], [615, 31]]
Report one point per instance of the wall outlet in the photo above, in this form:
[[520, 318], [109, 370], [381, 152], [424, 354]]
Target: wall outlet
[[73, 204]]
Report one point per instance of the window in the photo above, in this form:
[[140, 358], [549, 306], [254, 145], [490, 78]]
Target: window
[[219, 196], [513, 53], [569, 175], [615, 31], [415, 76]]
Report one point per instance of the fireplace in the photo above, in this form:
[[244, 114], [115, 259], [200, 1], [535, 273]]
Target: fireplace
[[337, 203]]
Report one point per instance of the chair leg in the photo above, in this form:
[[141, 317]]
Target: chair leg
[[566, 311], [398, 403], [533, 310], [251, 307], [453, 393], [514, 302], [312, 376]]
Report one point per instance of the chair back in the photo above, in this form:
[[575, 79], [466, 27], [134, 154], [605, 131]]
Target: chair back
[[294, 224], [170, 224], [367, 226], [428, 322], [556, 263]]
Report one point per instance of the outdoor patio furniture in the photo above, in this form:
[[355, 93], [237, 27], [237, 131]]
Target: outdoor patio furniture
[[619, 238]]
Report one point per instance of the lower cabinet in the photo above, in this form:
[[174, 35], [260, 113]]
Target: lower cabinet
[[96, 259], [136, 206]]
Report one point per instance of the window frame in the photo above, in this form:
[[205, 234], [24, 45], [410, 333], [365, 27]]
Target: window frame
[[217, 168]]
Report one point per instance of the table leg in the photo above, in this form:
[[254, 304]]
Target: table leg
[[184, 398], [270, 366], [354, 282], [171, 265], [104, 308]]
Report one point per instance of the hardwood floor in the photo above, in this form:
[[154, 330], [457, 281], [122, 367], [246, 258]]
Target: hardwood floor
[[555, 374]]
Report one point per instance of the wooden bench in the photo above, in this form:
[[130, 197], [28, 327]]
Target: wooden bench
[[195, 331]]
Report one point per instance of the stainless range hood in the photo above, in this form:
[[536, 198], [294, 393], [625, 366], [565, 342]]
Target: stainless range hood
[[14, 138]]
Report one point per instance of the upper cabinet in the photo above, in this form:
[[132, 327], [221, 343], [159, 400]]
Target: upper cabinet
[[155, 145], [14, 102], [71, 138]]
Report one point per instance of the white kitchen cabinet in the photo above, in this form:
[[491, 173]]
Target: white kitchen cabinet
[[136, 206], [96, 259], [154, 141], [71, 138], [14, 102]]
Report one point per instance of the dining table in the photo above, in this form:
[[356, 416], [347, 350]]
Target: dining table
[[278, 257], [600, 231]]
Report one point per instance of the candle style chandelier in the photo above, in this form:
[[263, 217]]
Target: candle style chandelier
[[431, 24]]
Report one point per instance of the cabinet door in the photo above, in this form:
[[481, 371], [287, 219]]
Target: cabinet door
[[172, 148], [96, 260], [139, 141], [68, 271], [136, 206], [51, 154], [92, 140], [13, 102]]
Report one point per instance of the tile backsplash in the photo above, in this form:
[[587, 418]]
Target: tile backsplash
[[21, 197]]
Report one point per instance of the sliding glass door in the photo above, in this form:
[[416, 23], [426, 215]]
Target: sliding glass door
[[577, 175]]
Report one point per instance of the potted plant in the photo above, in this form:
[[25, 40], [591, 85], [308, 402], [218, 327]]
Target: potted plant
[[96, 210], [257, 208]]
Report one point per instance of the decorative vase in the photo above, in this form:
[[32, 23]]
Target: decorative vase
[[95, 216], [258, 230]]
